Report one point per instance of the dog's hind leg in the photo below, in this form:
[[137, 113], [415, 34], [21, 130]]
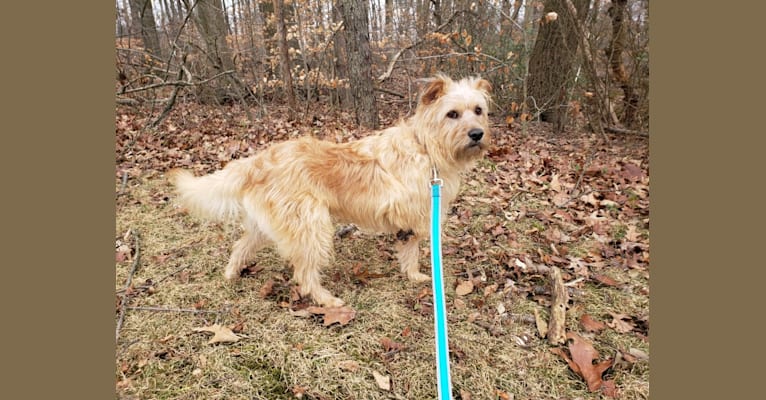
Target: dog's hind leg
[[309, 246], [243, 251], [407, 252]]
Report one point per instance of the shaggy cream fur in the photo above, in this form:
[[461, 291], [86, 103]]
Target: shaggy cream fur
[[292, 193]]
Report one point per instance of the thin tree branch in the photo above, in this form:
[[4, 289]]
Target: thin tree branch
[[177, 83], [399, 53], [168, 275]]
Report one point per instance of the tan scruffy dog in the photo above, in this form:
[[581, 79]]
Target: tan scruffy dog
[[290, 194]]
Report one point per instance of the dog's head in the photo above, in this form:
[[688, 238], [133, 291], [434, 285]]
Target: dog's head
[[452, 118]]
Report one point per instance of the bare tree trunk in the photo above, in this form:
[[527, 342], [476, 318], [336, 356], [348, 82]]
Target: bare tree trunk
[[516, 8], [437, 12], [552, 60], [209, 18], [619, 13], [284, 56], [340, 65], [236, 26], [259, 43], [143, 20], [360, 63]]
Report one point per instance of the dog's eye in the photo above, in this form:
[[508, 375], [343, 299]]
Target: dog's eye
[[453, 114], [478, 110]]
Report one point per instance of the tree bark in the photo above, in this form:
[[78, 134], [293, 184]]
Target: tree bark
[[142, 15], [209, 19], [552, 60], [259, 43], [619, 13], [557, 325], [340, 65], [516, 8], [284, 55], [360, 62], [390, 19]]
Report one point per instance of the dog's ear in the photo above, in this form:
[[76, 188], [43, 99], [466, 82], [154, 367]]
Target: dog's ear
[[483, 85], [435, 88]]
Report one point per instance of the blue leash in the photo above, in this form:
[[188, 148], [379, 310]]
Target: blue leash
[[444, 382]]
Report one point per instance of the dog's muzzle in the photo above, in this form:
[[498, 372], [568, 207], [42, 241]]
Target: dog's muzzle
[[475, 134]]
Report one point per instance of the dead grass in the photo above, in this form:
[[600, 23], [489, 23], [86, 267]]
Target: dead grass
[[282, 356]]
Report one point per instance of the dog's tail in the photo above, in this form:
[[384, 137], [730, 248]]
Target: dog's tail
[[214, 197]]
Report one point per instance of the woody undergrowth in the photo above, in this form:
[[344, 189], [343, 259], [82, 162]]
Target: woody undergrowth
[[508, 227]]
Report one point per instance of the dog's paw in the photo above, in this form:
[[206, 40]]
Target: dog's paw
[[231, 274], [324, 298], [332, 302], [418, 277]]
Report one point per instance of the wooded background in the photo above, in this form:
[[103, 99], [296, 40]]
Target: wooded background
[[558, 61]]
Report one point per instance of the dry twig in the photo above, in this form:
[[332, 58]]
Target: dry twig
[[124, 297]]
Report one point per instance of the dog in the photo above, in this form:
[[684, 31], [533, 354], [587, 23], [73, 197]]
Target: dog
[[291, 194]]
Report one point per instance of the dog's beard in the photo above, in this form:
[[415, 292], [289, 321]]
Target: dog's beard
[[473, 149]]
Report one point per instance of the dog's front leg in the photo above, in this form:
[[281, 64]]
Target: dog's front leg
[[407, 252]]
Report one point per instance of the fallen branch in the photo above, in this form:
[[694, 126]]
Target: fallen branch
[[557, 325], [167, 309], [491, 328], [123, 300], [624, 131], [168, 275], [124, 183], [392, 93], [128, 102]]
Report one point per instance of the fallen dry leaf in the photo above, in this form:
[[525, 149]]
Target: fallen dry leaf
[[625, 360], [238, 327], [299, 391], [390, 345], [632, 234], [632, 172], [304, 313], [159, 259], [348, 365], [590, 324], [406, 331], [221, 334], [266, 289], [459, 304], [342, 315], [639, 354], [123, 253], [581, 362], [605, 280], [610, 389], [621, 323], [491, 289], [555, 184], [560, 199], [383, 381], [464, 287]]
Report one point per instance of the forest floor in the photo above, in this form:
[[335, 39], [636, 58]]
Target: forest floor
[[575, 201]]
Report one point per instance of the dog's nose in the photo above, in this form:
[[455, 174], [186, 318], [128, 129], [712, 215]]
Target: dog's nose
[[475, 134]]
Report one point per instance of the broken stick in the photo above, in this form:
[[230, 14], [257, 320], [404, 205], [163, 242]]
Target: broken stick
[[560, 297]]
